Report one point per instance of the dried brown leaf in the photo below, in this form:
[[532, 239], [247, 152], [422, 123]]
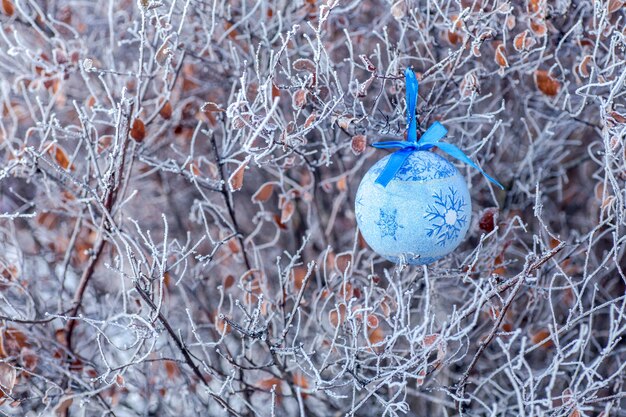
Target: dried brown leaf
[[63, 405], [540, 336], [454, 38], [138, 130], [583, 67], [210, 107], [304, 64], [376, 335], [309, 120], [548, 85], [538, 26], [501, 56], [368, 63], [235, 181], [287, 211], [8, 8], [166, 110], [163, 53], [299, 98], [263, 193], [61, 157], [615, 5], [171, 369], [488, 219], [275, 91], [358, 144], [523, 41], [344, 121]]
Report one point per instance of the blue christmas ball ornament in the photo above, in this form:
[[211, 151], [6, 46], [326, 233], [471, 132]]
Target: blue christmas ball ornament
[[422, 214], [413, 204]]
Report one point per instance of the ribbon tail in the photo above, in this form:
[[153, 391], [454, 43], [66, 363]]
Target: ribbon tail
[[412, 88], [393, 165], [390, 144], [455, 152]]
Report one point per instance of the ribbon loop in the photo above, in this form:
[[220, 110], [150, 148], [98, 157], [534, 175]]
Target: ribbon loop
[[429, 139]]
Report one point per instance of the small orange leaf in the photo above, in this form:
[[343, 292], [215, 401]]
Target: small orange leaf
[[298, 274], [287, 211], [376, 336], [358, 144], [501, 56], [229, 281], [233, 245], [221, 325], [342, 261], [454, 38], [280, 225], [337, 316], [138, 130], [309, 120], [523, 41], [166, 110], [538, 26], [275, 91], [540, 336], [8, 8], [263, 193], [235, 181], [342, 184], [536, 6], [171, 368], [61, 157], [615, 5], [583, 67], [372, 321], [546, 83], [299, 98]]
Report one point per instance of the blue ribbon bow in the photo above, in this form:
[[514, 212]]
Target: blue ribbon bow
[[429, 139]]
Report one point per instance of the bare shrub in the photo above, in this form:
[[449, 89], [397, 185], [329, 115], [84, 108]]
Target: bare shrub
[[177, 234]]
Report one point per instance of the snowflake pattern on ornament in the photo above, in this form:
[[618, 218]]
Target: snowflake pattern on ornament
[[446, 216], [421, 166], [388, 224]]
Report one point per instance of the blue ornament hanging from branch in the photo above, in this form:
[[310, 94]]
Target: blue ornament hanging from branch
[[414, 204]]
